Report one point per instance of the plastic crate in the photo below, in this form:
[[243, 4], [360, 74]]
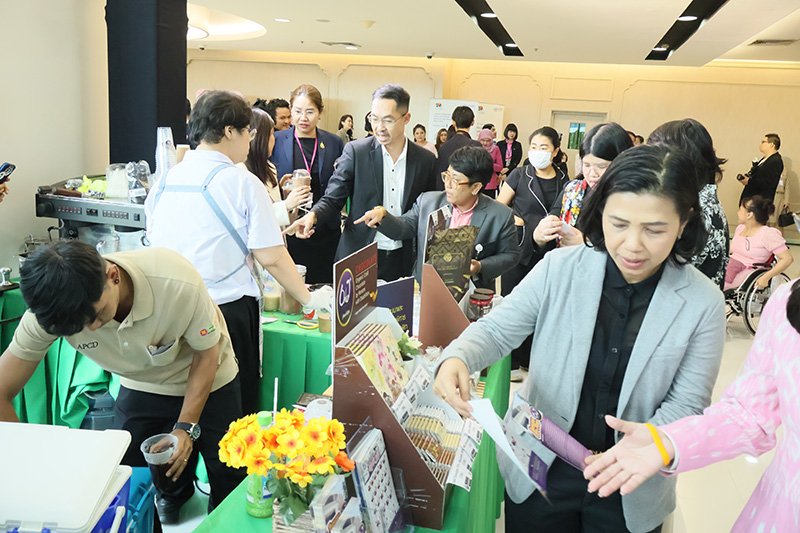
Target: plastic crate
[[141, 503], [107, 520]]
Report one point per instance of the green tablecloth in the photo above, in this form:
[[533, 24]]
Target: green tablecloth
[[297, 357], [54, 394], [474, 511]]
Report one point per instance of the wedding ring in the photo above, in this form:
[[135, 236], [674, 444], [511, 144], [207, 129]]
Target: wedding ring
[[444, 396], [186, 460]]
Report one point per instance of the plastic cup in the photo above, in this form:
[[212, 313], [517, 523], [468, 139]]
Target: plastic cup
[[301, 178], [288, 304], [325, 322], [158, 450]]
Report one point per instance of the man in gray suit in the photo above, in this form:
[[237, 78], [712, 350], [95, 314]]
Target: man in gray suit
[[384, 169], [495, 249]]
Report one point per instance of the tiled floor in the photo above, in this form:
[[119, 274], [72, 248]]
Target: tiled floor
[[709, 500]]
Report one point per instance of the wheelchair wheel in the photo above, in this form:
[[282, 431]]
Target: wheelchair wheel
[[755, 300]]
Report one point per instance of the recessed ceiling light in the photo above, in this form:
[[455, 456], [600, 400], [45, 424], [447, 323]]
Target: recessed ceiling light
[[323, 20], [282, 20], [662, 48], [512, 45], [489, 15], [687, 18], [352, 47], [195, 32]]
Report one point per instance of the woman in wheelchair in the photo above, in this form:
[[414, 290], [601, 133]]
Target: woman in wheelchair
[[754, 244]]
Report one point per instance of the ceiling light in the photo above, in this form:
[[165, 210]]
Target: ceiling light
[[323, 20], [489, 15], [687, 18], [512, 45], [661, 48], [194, 33], [282, 20], [351, 47]]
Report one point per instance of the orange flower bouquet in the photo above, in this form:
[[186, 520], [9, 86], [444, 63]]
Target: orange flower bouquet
[[296, 454]]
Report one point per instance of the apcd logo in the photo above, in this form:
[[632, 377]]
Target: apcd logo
[[344, 298], [87, 345]]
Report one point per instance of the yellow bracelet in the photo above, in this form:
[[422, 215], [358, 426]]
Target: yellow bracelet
[[659, 444]]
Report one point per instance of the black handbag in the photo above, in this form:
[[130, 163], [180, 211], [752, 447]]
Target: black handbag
[[786, 218]]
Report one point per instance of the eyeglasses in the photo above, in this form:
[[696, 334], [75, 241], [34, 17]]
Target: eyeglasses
[[308, 113], [452, 181], [252, 133], [386, 121]]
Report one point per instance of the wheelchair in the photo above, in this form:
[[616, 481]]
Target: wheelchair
[[747, 300]]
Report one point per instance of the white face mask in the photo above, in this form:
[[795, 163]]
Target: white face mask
[[539, 159]]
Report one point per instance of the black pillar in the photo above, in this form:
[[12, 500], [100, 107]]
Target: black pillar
[[146, 75]]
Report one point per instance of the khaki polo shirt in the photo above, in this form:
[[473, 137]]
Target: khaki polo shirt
[[152, 349]]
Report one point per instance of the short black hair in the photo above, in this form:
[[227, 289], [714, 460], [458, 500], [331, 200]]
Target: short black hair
[[511, 127], [474, 162], [692, 138], [367, 122], [463, 116], [420, 127], [550, 133], [605, 141], [261, 104], [394, 92], [61, 283], [274, 104], [213, 112], [762, 208], [774, 139], [657, 169], [487, 126], [188, 107]]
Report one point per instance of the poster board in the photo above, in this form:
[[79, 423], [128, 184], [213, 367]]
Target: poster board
[[491, 114], [440, 115]]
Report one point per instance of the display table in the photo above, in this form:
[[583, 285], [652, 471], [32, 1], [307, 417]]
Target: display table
[[474, 511], [299, 359]]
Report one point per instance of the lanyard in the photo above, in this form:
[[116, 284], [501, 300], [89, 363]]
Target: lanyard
[[314, 156]]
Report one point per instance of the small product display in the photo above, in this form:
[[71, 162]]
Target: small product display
[[328, 504], [374, 483], [350, 521], [436, 438]]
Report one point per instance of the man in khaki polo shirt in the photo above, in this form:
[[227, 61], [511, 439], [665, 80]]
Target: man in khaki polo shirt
[[146, 316]]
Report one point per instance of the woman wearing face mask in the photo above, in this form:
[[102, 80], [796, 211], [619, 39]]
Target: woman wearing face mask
[[600, 146], [419, 138], [531, 191], [305, 146], [486, 139], [345, 132], [648, 349]]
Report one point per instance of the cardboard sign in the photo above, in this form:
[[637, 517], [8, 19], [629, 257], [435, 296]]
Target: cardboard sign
[[356, 279]]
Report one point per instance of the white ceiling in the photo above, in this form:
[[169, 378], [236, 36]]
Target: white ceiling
[[581, 31]]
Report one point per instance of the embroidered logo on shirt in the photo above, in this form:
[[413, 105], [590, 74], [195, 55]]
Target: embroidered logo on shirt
[[87, 345], [212, 328]]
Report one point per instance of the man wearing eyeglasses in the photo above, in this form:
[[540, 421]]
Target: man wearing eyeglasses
[[764, 176], [384, 169]]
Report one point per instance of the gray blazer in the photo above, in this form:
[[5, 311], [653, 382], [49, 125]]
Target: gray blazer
[[670, 375], [495, 246]]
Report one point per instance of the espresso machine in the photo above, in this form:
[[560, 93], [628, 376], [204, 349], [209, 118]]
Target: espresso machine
[[108, 224]]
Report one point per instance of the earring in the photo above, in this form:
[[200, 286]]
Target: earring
[[116, 281]]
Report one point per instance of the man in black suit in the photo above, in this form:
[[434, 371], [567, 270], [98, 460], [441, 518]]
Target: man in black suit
[[765, 175], [384, 169], [463, 119]]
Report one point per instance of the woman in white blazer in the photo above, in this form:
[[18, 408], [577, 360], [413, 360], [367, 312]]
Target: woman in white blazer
[[623, 325]]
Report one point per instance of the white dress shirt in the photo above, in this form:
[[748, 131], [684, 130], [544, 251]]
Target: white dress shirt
[[185, 223], [394, 182]]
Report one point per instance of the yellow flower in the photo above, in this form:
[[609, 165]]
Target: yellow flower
[[321, 465], [315, 434], [236, 450], [335, 431], [290, 443], [259, 464], [251, 438], [301, 478]]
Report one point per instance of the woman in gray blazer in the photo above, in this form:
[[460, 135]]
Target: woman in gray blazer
[[623, 326], [495, 251]]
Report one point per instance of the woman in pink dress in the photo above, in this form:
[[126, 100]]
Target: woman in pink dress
[[486, 139], [744, 421], [754, 242]]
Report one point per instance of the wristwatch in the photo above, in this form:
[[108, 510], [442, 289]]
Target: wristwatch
[[192, 429]]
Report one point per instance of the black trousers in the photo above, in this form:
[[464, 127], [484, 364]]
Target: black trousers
[[317, 253], [390, 264], [571, 508], [144, 414], [521, 355], [244, 320]]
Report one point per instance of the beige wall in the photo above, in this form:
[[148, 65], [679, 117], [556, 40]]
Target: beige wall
[[738, 104], [54, 105]]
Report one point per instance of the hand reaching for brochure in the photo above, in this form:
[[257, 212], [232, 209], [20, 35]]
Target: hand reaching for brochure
[[629, 463], [452, 386]]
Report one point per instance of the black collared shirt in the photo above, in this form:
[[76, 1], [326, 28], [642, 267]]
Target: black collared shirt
[[619, 318]]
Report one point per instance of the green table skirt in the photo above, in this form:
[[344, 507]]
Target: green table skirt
[[474, 511]]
